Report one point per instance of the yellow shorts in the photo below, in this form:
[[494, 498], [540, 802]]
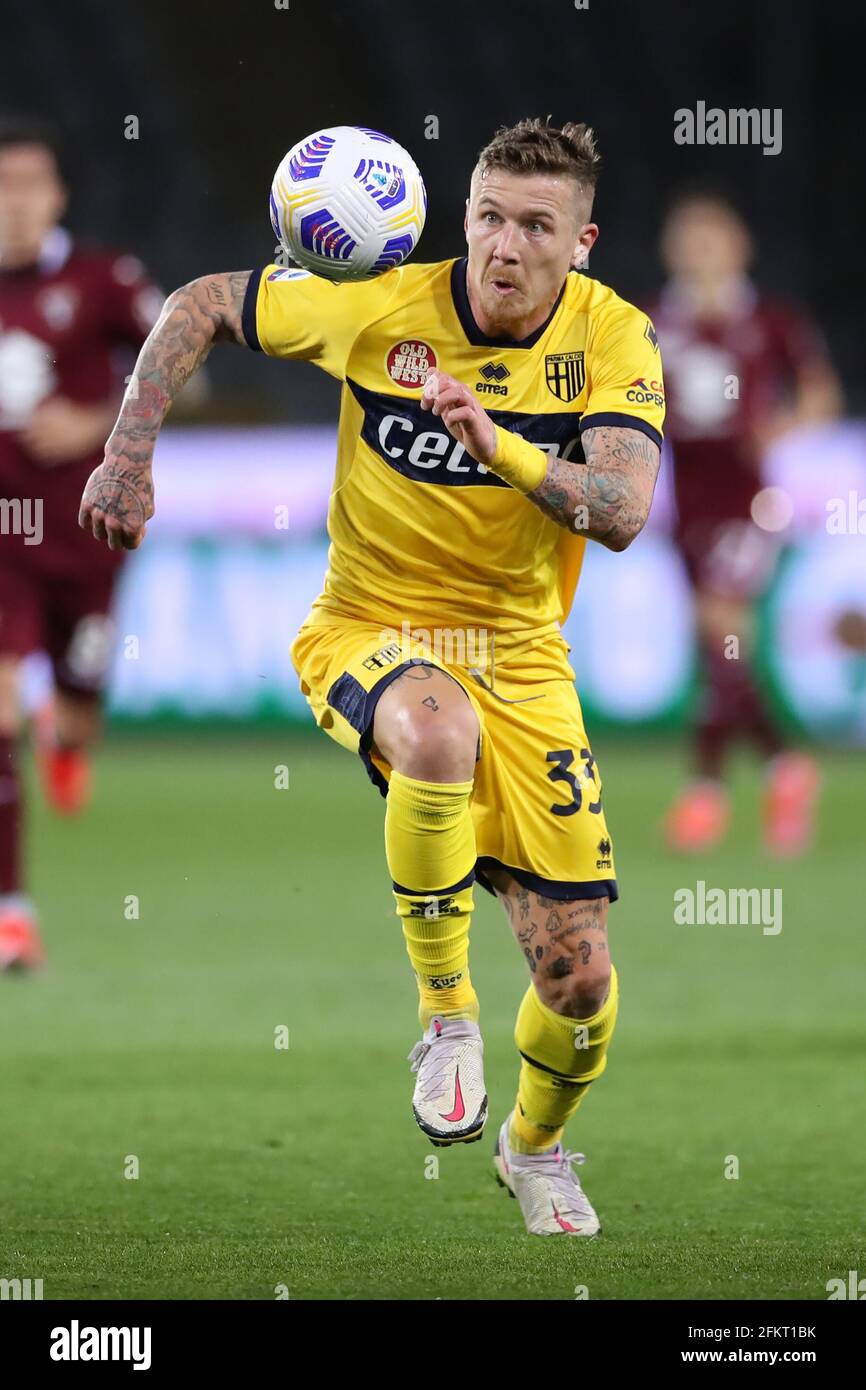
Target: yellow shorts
[[536, 802]]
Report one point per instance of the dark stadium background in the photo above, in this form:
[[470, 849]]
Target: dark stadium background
[[222, 89]]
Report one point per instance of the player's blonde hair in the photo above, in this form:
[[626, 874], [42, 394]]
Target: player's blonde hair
[[534, 146]]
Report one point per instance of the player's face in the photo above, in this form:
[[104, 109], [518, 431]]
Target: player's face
[[524, 232], [32, 198], [704, 241]]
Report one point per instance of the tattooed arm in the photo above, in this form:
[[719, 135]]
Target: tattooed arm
[[608, 498], [118, 499]]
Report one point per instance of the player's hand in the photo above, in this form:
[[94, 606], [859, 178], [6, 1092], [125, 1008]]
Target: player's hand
[[60, 430], [464, 418], [117, 502]]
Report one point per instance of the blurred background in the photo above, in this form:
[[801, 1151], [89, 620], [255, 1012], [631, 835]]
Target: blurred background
[[220, 93]]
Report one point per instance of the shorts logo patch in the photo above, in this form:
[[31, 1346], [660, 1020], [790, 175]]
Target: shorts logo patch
[[408, 363], [565, 374], [383, 656], [604, 860]]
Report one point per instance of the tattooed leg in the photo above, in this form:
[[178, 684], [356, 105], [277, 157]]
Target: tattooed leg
[[567, 1015], [564, 945]]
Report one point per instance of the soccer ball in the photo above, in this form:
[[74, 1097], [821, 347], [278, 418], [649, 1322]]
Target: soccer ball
[[348, 203]]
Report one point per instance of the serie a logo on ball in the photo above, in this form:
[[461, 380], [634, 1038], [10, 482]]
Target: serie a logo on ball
[[348, 203]]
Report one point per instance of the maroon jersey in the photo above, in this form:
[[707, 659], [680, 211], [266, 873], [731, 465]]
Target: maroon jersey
[[723, 378], [63, 322]]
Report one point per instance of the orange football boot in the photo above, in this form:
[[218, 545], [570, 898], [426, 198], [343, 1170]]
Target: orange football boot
[[790, 801], [698, 819], [66, 779], [20, 944]]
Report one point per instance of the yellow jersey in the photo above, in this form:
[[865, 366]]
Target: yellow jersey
[[420, 532]]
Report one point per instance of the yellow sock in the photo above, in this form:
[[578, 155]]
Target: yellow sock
[[430, 848], [561, 1057]]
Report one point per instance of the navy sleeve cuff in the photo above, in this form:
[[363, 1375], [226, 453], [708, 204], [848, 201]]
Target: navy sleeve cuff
[[248, 313], [631, 422]]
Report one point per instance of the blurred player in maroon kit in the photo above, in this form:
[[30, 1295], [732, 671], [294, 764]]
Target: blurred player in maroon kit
[[64, 313], [740, 370]]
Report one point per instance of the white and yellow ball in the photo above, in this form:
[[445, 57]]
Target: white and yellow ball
[[348, 203]]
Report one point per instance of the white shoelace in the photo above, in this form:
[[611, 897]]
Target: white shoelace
[[432, 1083], [417, 1055], [558, 1168]]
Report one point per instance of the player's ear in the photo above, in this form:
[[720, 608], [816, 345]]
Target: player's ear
[[586, 239], [466, 220]]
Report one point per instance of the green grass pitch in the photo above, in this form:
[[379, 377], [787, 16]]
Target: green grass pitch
[[302, 1167]]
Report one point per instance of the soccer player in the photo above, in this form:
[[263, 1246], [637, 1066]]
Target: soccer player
[[488, 427], [64, 311], [740, 369]]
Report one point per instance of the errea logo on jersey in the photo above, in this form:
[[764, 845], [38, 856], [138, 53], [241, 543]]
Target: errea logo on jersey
[[494, 374]]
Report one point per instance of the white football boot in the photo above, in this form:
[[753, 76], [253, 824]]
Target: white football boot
[[546, 1186], [450, 1102]]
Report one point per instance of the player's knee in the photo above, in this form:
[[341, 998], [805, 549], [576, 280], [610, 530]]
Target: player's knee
[[574, 988], [440, 752], [435, 741]]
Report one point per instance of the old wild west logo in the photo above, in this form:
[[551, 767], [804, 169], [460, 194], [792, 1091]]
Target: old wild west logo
[[564, 374]]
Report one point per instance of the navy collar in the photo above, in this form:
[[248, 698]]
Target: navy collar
[[460, 296]]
